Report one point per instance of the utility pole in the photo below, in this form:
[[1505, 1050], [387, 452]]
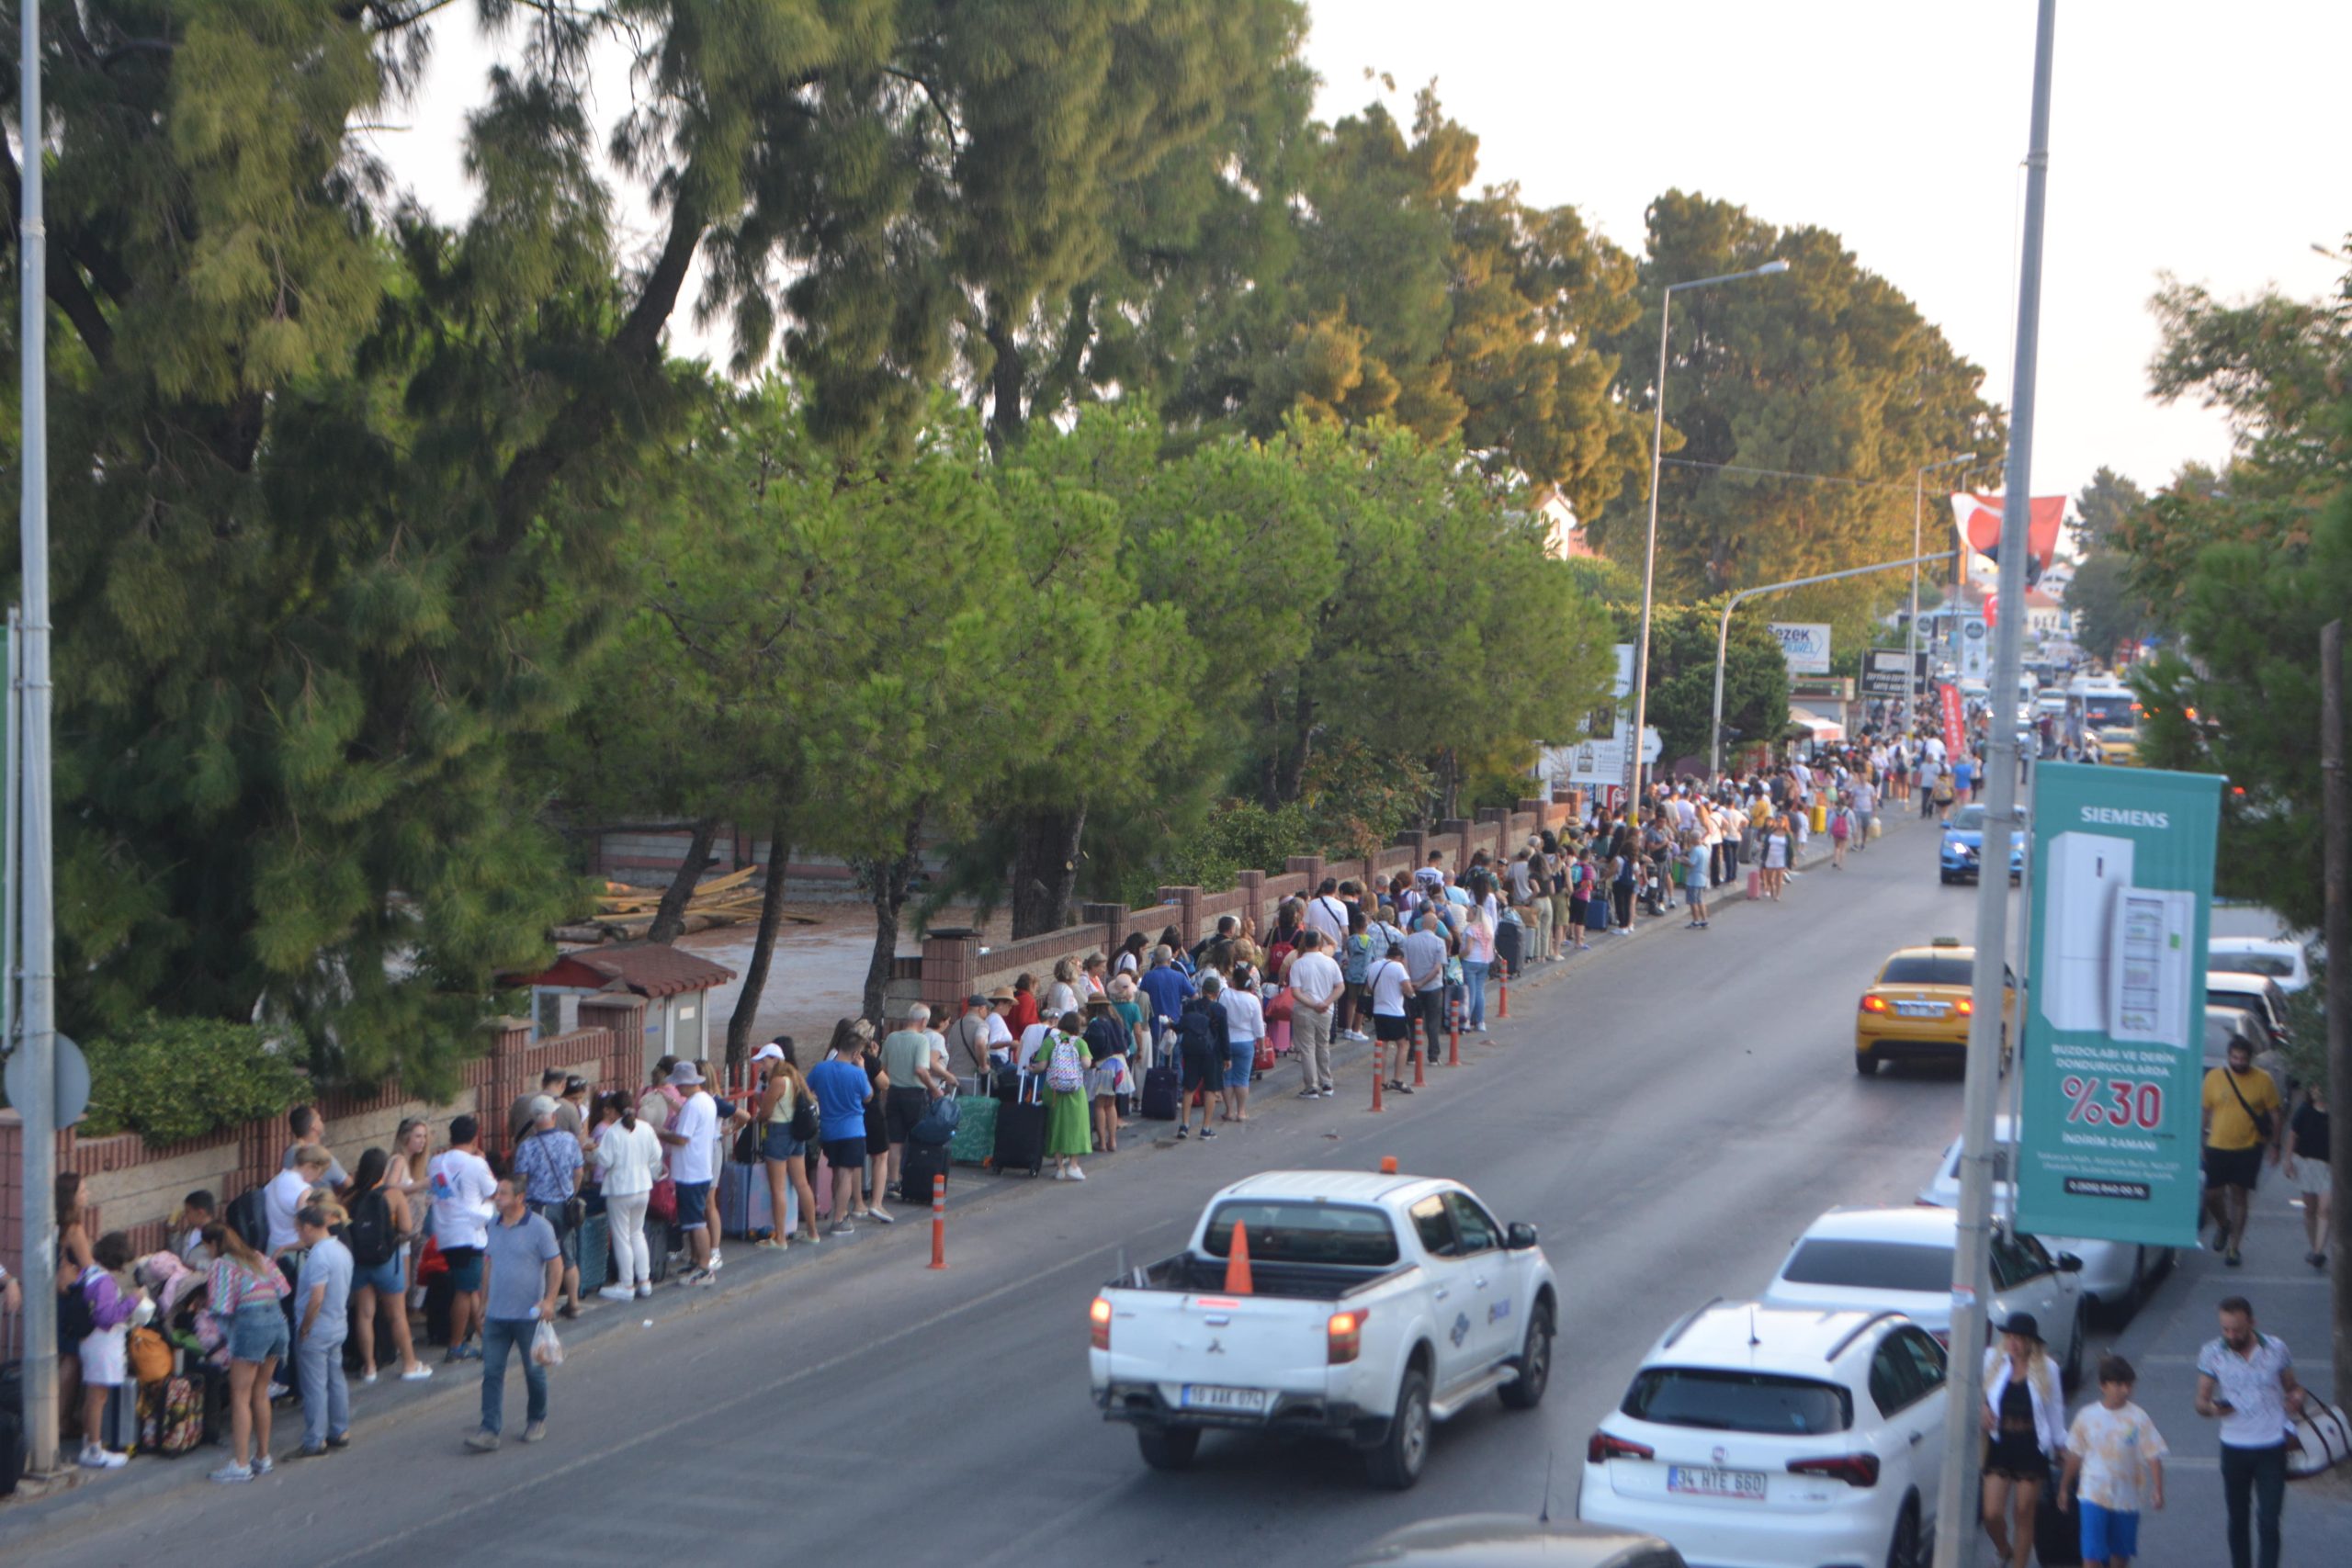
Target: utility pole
[[2336, 925], [1956, 1512], [38, 1038]]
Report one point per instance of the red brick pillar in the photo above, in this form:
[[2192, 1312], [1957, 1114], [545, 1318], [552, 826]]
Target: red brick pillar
[[1252, 884], [510, 1076], [951, 962], [1188, 904], [1309, 866], [621, 1015]]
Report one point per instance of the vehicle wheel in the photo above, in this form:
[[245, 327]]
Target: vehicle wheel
[[1397, 1464], [2072, 1372], [1534, 1363], [1902, 1552], [1865, 1062], [1169, 1449]]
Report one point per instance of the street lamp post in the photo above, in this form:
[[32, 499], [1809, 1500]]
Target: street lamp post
[[1912, 685], [1649, 548]]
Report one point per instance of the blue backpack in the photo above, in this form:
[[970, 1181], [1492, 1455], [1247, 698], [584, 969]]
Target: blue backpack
[[938, 1126]]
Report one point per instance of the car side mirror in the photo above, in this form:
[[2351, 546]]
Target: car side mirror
[[2069, 1264], [1518, 1236]]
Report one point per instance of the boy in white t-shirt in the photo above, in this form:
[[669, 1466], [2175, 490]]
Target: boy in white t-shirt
[[2115, 1458]]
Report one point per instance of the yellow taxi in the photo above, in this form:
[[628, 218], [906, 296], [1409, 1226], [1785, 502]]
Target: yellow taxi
[[2119, 744], [1919, 1005]]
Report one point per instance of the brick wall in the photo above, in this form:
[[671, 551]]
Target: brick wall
[[136, 1187]]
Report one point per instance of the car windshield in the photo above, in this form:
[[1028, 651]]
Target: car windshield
[[1927, 969], [2250, 962], [1882, 1265], [1726, 1401], [1968, 819], [1305, 1233]]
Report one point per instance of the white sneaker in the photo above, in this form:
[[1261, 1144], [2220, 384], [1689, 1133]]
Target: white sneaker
[[1060, 1175], [644, 1293], [1077, 1173], [95, 1458], [617, 1292], [417, 1373], [715, 1260], [881, 1216]]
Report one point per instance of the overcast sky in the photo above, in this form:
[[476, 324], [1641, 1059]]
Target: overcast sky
[[2199, 139]]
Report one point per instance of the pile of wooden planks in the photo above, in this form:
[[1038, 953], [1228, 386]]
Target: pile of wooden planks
[[624, 913]]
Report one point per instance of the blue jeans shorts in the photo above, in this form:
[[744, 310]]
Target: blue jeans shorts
[[258, 1333], [1239, 1057], [778, 1142], [2107, 1533], [694, 1206], [387, 1279]]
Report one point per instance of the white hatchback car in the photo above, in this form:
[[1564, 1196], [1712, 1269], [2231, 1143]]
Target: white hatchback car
[[1758, 1438], [2115, 1274], [2272, 957], [1900, 1260]]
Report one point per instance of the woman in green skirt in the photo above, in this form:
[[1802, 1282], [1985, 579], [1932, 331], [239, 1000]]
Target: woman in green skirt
[[1062, 1058]]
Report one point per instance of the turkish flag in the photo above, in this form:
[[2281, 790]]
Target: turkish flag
[[1978, 517]]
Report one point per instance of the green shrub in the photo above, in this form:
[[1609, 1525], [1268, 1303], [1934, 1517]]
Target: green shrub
[[184, 1078]]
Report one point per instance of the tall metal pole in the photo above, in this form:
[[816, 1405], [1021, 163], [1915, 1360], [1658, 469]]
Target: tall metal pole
[[38, 985], [1649, 548], [1956, 1528], [2336, 924], [1914, 688], [1723, 639]]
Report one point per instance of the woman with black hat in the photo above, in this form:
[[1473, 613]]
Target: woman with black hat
[[2025, 1424]]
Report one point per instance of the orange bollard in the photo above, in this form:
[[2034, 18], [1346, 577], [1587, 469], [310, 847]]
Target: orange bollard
[[1453, 1028], [1236, 1266], [1376, 1049], [1504, 1011], [1420, 1057], [1387, 1164], [938, 1222]]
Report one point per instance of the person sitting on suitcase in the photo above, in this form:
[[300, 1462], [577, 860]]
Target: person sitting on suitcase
[[1200, 1044]]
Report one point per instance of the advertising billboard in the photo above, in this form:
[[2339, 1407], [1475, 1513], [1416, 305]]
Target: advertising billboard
[[1805, 644], [2115, 1026]]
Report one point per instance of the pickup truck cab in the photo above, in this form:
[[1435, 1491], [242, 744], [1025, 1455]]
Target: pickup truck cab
[[1380, 1304]]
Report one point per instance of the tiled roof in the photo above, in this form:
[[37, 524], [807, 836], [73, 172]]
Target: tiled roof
[[649, 969]]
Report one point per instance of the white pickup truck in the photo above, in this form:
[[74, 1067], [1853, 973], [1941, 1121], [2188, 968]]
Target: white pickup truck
[[1381, 1304]]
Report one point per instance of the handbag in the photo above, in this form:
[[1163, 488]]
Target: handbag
[[2319, 1440], [1278, 1008], [150, 1354], [662, 1203], [805, 1122], [2265, 1129], [1265, 1058]]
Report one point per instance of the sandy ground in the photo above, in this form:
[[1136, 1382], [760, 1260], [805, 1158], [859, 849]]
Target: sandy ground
[[819, 972]]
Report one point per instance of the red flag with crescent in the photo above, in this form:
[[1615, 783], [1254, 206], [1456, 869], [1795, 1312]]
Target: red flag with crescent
[[1978, 517]]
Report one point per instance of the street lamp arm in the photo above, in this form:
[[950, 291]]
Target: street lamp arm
[[1722, 637]]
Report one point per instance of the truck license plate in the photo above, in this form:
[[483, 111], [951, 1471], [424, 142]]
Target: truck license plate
[[1209, 1396], [1747, 1486]]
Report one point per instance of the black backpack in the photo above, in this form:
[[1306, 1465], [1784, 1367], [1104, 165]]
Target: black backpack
[[1194, 1033], [75, 1321], [249, 1217], [370, 1235]]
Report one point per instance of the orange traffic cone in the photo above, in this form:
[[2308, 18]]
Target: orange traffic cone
[[1237, 1267]]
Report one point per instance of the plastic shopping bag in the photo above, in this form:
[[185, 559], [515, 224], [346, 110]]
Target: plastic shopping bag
[[546, 1349]]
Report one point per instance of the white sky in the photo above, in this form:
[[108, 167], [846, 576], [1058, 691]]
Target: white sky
[[2189, 139]]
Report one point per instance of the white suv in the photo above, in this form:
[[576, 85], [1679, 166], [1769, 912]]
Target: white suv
[[1759, 1437]]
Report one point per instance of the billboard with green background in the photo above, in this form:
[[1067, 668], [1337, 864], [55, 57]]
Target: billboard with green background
[[2115, 1022]]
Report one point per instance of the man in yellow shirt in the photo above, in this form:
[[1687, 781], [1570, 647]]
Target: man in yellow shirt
[[2242, 1121]]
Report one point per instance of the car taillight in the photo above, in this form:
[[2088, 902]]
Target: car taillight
[[1604, 1448], [1343, 1337], [1964, 1007], [1854, 1470], [1098, 1324], [1874, 1004]]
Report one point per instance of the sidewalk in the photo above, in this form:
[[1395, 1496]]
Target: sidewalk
[[2291, 1301]]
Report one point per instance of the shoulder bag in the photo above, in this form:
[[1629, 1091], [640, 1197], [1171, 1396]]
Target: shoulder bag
[[2265, 1129]]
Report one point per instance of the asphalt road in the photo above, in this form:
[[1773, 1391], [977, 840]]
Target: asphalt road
[[1671, 1114]]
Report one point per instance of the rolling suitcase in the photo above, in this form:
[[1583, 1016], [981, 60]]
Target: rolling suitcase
[[118, 1427], [595, 1253], [2057, 1535], [1021, 1129], [975, 1139], [917, 1166], [659, 1239], [1161, 1088], [746, 1208]]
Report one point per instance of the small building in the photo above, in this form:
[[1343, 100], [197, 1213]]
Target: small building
[[676, 986]]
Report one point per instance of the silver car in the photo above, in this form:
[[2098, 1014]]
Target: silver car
[[2117, 1275]]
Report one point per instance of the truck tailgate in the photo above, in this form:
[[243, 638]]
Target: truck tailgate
[[1206, 1352]]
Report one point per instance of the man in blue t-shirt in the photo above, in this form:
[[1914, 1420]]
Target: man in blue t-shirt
[[840, 1084], [522, 1273], [1165, 987]]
